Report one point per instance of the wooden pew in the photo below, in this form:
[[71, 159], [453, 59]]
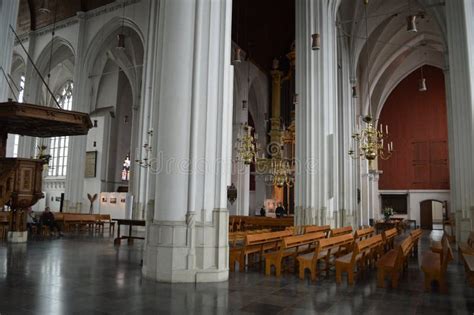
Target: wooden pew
[[291, 246], [324, 250], [468, 260], [364, 233], [257, 244], [393, 263], [78, 220], [466, 247], [434, 265], [357, 258], [389, 237], [341, 231], [315, 228], [416, 235]]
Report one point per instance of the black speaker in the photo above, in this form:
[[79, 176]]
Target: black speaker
[[61, 204]]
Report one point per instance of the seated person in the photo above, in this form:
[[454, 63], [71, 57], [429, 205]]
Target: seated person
[[280, 211], [262, 211], [47, 218], [31, 220]]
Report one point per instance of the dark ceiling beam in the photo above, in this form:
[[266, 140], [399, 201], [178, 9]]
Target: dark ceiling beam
[[31, 6]]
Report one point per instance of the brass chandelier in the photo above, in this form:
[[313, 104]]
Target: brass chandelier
[[370, 142], [246, 145]]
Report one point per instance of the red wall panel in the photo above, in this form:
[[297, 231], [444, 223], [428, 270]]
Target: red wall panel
[[418, 128]]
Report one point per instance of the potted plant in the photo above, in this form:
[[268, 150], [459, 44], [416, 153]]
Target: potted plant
[[387, 213]]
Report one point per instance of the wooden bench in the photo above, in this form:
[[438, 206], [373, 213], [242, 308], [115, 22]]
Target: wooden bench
[[415, 236], [434, 265], [291, 246], [78, 221], [393, 263], [256, 244], [468, 260], [102, 220], [357, 258], [389, 238], [324, 250], [341, 231], [364, 233], [315, 228], [466, 247]]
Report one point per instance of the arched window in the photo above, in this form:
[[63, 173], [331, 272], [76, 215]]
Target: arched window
[[58, 147], [126, 168]]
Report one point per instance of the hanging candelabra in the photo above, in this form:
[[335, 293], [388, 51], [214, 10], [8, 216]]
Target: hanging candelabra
[[371, 143], [246, 145], [280, 173]]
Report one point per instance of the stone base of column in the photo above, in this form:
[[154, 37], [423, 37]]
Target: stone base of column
[[178, 251], [17, 237]]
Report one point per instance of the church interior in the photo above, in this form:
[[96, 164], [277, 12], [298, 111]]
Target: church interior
[[236, 156]]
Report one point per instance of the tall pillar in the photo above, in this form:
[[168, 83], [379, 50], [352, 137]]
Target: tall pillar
[[74, 190], [460, 97], [317, 156], [8, 16], [186, 237]]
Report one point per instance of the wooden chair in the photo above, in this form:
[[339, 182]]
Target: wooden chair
[[389, 237], [341, 231], [468, 260], [364, 233], [324, 250], [291, 246], [434, 265], [106, 219], [393, 263], [466, 247], [355, 259]]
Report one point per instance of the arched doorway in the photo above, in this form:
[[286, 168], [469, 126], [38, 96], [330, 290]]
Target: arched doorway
[[431, 214]]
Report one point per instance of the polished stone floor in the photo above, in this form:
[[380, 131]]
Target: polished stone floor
[[88, 275]]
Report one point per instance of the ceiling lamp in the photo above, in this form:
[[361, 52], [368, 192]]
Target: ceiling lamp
[[120, 41], [315, 41], [44, 8], [411, 20], [411, 23]]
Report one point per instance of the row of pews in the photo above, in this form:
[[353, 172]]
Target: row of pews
[[245, 223], [68, 222], [319, 249]]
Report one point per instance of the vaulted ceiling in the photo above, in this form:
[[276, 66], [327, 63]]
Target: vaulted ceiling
[[32, 17]]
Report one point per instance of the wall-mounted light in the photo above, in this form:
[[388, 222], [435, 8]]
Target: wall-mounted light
[[244, 104], [422, 82], [94, 144], [354, 91], [237, 55], [315, 41], [95, 123]]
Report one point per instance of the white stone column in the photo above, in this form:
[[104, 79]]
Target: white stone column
[[74, 190], [8, 16], [317, 153], [186, 239], [460, 97]]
